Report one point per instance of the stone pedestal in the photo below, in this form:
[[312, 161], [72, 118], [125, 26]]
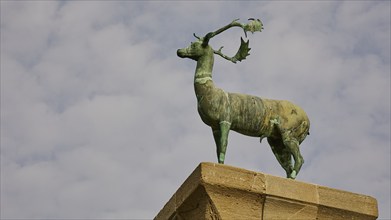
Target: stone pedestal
[[215, 191]]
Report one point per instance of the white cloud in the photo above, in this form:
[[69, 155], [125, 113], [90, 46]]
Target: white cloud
[[99, 118]]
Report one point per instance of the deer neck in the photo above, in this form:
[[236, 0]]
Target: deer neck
[[203, 83], [204, 69]]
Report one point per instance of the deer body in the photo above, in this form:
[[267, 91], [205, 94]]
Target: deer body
[[284, 124]]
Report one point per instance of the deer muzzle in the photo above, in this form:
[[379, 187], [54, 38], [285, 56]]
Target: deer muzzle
[[181, 53]]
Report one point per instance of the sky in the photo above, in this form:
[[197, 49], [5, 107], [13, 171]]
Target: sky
[[99, 117]]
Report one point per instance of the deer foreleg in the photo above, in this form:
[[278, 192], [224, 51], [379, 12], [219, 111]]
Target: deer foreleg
[[221, 138], [216, 136]]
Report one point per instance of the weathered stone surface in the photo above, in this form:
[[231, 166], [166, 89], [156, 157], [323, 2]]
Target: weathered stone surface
[[216, 191]]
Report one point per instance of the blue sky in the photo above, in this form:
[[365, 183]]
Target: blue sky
[[99, 117]]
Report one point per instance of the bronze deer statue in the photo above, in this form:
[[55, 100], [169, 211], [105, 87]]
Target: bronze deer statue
[[284, 124]]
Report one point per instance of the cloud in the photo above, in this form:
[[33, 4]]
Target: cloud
[[99, 117]]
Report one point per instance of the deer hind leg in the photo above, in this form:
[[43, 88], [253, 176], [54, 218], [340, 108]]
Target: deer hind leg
[[292, 144], [221, 139], [283, 155]]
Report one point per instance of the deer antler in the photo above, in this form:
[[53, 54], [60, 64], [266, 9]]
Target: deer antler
[[212, 34], [253, 26], [243, 52]]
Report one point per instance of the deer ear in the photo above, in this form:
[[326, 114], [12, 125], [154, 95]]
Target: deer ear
[[196, 36]]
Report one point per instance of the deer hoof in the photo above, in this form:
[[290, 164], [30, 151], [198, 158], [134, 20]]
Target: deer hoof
[[221, 158], [293, 175]]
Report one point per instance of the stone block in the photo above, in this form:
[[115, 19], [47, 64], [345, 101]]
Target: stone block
[[216, 191]]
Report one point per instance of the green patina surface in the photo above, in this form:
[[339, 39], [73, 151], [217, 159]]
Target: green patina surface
[[284, 124]]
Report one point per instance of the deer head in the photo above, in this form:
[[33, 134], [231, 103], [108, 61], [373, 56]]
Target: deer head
[[196, 49], [201, 47]]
